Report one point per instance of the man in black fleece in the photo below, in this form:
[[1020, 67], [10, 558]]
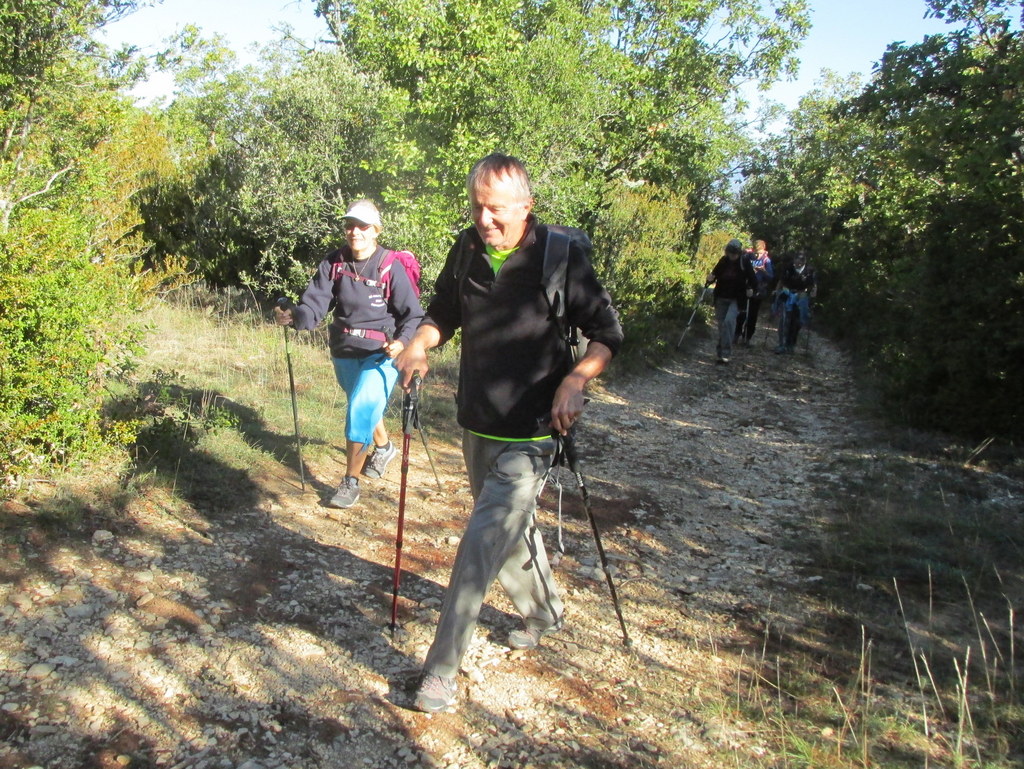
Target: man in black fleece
[[517, 386]]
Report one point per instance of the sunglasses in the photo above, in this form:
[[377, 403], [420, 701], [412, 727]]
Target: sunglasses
[[351, 224]]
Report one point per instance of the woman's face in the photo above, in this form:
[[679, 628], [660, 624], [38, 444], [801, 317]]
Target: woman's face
[[359, 236]]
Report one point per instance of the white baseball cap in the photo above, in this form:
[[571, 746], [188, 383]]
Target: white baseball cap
[[364, 211]]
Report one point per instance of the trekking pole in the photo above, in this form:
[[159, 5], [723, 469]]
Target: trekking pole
[[692, 315], [285, 304], [558, 460], [426, 449], [568, 446], [771, 316], [423, 434], [410, 416]]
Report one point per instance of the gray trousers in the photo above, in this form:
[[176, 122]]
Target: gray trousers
[[502, 542], [726, 311]]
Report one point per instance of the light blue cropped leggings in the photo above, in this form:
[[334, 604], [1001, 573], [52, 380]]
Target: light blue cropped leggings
[[368, 383]]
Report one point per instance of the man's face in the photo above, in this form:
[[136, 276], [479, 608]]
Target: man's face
[[500, 212]]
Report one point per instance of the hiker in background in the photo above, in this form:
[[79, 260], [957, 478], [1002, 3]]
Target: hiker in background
[[734, 284], [518, 385], [746, 321], [797, 287], [376, 312]]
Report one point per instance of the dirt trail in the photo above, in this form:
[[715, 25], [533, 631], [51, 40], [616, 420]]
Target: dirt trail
[[256, 636]]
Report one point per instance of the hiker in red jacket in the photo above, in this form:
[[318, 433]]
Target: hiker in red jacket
[[376, 311]]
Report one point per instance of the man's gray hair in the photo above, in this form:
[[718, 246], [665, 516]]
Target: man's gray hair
[[497, 165]]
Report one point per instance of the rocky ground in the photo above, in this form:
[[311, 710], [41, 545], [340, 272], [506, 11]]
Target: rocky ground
[[256, 635]]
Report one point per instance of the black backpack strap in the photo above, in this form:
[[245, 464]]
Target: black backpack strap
[[555, 278], [556, 262], [466, 251]]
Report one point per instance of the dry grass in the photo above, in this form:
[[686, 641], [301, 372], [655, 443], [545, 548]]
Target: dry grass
[[912, 659]]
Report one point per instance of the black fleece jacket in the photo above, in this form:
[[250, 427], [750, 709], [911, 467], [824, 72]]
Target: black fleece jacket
[[733, 277], [513, 355]]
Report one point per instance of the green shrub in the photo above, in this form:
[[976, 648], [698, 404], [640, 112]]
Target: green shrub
[[63, 331]]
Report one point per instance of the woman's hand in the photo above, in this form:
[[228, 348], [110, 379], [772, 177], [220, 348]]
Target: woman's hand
[[394, 348], [283, 317]]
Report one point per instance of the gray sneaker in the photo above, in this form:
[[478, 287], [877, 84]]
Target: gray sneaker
[[378, 461], [530, 637], [347, 493], [435, 693]]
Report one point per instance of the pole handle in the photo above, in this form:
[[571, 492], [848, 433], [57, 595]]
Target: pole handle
[[410, 405]]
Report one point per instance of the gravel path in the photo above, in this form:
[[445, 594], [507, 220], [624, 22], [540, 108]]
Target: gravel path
[[258, 637]]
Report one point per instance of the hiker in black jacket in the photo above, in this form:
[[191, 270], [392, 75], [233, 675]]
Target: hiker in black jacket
[[734, 282], [376, 311], [518, 385], [797, 287]]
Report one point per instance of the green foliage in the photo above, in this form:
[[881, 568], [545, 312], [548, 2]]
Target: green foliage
[[585, 94], [801, 188], [263, 208], [170, 420], [910, 194], [637, 254], [62, 335], [73, 157], [589, 97]]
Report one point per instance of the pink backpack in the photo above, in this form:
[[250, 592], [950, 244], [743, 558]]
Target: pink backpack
[[383, 280], [409, 262]]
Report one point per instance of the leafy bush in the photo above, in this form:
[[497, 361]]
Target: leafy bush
[[638, 252], [908, 195], [62, 332]]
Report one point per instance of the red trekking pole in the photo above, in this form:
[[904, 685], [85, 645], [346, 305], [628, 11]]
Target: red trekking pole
[[410, 419]]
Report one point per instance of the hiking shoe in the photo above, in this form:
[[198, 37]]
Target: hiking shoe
[[347, 493], [530, 637], [378, 461], [722, 359], [435, 693]]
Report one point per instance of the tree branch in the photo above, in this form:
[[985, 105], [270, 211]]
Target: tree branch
[[49, 185]]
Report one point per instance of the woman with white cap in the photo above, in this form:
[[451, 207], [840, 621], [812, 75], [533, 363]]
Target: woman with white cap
[[376, 310]]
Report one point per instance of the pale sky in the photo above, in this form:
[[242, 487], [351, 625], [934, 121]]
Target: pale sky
[[851, 36], [845, 36]]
